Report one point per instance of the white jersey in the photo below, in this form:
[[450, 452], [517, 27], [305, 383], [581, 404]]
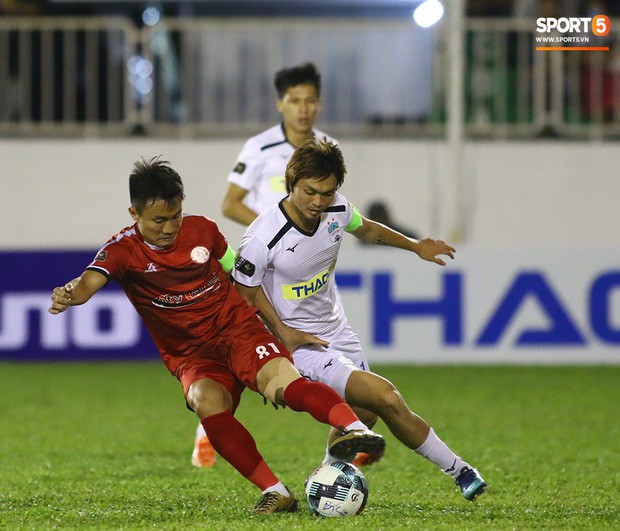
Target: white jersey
[[261, 165], [295, 267]]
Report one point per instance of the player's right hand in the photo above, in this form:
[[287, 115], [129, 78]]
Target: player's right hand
[[294, 339], [61, 297]]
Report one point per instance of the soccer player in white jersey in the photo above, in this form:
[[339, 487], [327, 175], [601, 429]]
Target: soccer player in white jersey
[[290, 251], [257, 179]]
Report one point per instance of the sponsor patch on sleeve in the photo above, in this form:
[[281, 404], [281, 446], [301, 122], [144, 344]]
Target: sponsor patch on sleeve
[[101, 256], [244, 266], [239, 168]]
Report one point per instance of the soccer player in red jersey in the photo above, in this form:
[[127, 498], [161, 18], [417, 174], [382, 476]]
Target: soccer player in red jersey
[[173, 268]]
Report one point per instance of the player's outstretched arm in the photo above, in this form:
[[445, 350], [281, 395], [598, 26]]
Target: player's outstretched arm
[[427, 249], [76, 292]]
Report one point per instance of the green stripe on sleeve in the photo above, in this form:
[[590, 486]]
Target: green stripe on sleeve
[[356, 220], [228, 260]]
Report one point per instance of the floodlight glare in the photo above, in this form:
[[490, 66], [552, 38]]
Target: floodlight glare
[[428, 13], [151, 16]]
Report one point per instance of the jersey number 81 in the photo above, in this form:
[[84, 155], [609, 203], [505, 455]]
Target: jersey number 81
[[263, 351]]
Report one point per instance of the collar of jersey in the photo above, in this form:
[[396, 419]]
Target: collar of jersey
[[299, 229], [286, 137], [150, 245]]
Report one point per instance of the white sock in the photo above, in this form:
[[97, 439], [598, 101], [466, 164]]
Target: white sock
[[436, 451], [279, 488], [200, 431], [329, 458], [357, 425]]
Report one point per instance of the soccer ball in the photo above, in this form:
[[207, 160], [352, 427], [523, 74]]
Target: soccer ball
[[337, 489]]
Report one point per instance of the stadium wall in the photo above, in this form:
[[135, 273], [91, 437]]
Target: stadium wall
[[536, 281], [72, 194]]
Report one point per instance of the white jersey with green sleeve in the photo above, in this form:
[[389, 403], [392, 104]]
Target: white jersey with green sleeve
[[261, 164], [295, 267]]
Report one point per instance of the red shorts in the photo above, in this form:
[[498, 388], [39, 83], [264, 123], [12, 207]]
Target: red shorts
[[234, 358]]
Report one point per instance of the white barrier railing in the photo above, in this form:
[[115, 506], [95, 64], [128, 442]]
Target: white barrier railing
[[65, 74], [79, 75], [514, 90]]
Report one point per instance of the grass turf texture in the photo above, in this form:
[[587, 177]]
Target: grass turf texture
[[108, 446]]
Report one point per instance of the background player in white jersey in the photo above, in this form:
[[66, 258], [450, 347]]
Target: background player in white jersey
[[290, 251], [257, 179]]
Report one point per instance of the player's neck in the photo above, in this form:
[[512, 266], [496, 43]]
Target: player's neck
[[297, 139], [307, 225]]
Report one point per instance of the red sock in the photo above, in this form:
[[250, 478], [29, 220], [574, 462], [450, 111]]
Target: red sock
[[235, 444], [321, 401]]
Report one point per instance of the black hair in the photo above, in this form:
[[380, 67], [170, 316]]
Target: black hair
[[154, 180], [315, 159], [297, 75]]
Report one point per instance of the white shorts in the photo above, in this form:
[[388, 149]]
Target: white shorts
[[334, 364]]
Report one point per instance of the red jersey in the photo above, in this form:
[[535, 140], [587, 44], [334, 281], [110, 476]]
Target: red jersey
[[181, 292]]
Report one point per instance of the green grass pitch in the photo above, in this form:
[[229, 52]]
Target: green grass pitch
[[107, 446]]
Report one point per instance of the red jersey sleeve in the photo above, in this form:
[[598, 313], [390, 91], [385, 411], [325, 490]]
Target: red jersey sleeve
[[113, 258]]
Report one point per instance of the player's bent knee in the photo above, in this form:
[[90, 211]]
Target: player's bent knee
[[393, 400], [375, 394], [282, 373], [207, 397]]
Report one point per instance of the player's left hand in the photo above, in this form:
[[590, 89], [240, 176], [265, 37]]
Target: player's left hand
[[61, 297], [430, 250]]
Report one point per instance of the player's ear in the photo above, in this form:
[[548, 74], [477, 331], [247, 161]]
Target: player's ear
[[133, 213], [279, 105]]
